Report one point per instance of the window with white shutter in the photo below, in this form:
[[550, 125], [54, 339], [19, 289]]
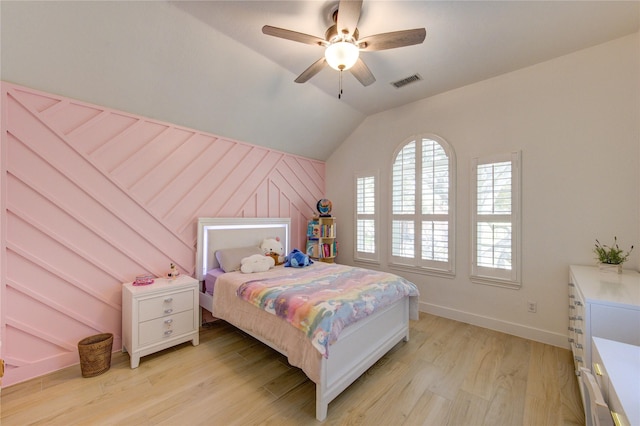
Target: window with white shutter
[[495, 236], [366, 247], [422, 206]]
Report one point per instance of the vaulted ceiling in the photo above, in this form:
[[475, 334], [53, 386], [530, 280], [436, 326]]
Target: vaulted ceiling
[[467, 41], [208, 66]]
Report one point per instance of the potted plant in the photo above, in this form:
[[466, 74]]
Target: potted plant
[[611, 257]]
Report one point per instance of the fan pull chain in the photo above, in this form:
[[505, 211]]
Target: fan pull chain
[[340, 86]]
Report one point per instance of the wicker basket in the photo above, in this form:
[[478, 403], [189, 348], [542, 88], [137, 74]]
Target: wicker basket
[[95, 354]]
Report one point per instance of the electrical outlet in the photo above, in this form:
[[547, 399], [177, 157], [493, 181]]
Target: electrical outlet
[[532, 307]]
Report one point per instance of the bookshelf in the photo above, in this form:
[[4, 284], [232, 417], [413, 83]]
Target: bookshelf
[[321, 239]]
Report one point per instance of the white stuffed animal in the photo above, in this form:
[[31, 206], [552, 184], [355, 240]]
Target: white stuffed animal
[[256, 263], [273, 247]]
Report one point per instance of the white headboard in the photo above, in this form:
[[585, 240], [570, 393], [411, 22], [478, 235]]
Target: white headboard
[[215, 233]]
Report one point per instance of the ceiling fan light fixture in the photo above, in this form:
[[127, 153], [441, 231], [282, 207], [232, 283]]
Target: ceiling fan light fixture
[[342, 55]]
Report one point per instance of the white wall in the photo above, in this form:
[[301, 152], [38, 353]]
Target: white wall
[[575, 119], [152, 59]]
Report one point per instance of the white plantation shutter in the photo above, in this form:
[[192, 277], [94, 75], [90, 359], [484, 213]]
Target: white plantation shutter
[[404, 202], [435, 201], [435, 178], [435, 240], [496, 219], [404, 180], [366, 221], [422, 215]]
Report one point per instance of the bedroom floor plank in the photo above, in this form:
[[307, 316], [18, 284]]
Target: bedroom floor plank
[[449, 373]]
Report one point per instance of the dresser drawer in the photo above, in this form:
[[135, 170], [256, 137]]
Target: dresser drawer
[[576, 327], [617, 410], [168, 304], [165, 328], [599, 372], [616, 366]]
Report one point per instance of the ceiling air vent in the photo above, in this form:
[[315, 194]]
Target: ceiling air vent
[[407, 80]]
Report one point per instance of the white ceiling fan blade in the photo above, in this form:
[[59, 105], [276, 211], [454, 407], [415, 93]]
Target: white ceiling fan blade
[[314, 69], [348, 16], [392, 40], [362, 73], [293, 35]]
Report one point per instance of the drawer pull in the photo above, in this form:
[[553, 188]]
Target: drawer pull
[[169, 321], [578, 303], [168, 332], [578, 331], [572, 296], [579, 346], [578, 359], [168, 300], [616, 418], [168, 311], [571, 328], [571, 307], [571, 339], [578, 318], [572, 285], [597, 369]]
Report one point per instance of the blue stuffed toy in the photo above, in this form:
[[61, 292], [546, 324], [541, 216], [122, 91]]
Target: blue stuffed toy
[[297, 259]]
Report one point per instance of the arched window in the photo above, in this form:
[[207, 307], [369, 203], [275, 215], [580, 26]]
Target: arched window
[[423, 206]]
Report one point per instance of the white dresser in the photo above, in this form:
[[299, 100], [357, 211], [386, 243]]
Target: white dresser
[[602, 304], [616, 367], [159, 315]]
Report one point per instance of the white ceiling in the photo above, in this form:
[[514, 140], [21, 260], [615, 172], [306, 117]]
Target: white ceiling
[[206, 64], [467, 41]]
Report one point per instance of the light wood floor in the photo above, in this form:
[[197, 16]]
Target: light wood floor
[[449, 373]]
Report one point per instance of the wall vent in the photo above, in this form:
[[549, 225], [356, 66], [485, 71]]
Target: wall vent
[[407, 80]]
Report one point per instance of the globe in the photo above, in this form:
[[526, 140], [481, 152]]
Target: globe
[[324, 207]]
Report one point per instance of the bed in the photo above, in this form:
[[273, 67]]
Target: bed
[[358, 346]]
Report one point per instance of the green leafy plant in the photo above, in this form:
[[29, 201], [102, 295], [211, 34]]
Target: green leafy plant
[[613, 255]]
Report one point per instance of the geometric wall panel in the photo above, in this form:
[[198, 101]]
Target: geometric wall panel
[[91, 197]]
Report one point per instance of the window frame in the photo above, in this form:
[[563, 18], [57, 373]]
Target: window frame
[[360, 256], [416, 264], [510, 278]]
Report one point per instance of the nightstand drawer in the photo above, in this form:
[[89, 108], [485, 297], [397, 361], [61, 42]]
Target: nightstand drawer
[[168, 304], [168, 327], [159, 315]]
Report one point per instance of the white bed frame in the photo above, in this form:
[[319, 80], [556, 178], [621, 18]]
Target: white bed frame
[[359, 346]]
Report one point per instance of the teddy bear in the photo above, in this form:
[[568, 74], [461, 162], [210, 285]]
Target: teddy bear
[[173, 271], [273, 247], [298, 259], [256, 263]]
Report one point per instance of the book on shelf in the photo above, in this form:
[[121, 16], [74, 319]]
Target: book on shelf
[[313, 249], [326, 231], [313, 229], [329, 249]]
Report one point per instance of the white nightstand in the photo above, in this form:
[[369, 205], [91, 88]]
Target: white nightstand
[[159, 315]]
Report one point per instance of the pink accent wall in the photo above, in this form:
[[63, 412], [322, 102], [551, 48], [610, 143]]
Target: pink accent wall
[[91, 197]]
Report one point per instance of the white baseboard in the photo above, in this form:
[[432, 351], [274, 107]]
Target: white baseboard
[[531, 333]]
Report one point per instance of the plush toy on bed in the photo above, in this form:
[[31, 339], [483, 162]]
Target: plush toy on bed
[[272, 247], [256, 263], [298, 259]]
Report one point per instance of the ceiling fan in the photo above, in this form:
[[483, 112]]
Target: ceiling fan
[[343, 43]]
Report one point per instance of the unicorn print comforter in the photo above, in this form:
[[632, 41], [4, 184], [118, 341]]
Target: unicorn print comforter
[[324, 299]]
